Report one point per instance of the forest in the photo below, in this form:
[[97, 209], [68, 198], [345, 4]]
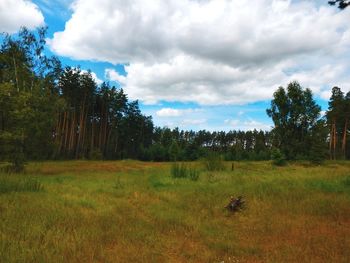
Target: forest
[[51, 112]]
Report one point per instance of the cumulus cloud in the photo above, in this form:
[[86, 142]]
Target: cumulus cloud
[[111, 74], [210, 52], [94, 76], [187, 122], [17, 13], [247, 125]]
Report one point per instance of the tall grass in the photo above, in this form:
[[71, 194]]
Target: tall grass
[[293, 214], [178, 170], [11, 183], [181, 170], [213, 162]]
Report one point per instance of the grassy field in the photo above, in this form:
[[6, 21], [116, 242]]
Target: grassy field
[[130, 211]]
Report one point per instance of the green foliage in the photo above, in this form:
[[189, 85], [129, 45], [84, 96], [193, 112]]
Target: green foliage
[[179, 170], [19, 184], [278, 157], [174, 151], [342, 4], [318, 150], [338, 120], [213, 162], [118, 183], [295, 115], [193, 174]]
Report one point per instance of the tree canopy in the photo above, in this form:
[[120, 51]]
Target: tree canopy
[[296, 117], [342, 4]]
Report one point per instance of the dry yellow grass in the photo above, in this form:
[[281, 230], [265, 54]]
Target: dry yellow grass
[[132, 211]]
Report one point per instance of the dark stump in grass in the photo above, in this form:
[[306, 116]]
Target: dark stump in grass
[[235, 204]]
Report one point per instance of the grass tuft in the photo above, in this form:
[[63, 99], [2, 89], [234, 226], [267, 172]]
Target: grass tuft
[[213, 162], [184, 171], [19, 184], [179, 170]]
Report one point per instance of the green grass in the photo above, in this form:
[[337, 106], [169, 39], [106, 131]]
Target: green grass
[[130, 211], [15, 183]]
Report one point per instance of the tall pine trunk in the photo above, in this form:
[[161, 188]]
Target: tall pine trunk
[[344, 138]]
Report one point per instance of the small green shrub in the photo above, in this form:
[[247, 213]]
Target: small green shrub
[[278, 158], [118, 183], [19, 184], [179, 170], [193, 174], [213, 162], [346, 181]]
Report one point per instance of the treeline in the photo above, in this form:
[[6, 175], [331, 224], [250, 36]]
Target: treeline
[[182, 145], [301, 133], [97, 121], [52, 112], [48, 111]]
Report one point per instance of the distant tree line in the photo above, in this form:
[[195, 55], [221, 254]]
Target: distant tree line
[[48, 111], [175, 144]]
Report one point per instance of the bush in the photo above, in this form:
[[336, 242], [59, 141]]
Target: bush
[[19, 184], [193, 174], [179, 170], [278, 158], [213, 162], [183, 171]]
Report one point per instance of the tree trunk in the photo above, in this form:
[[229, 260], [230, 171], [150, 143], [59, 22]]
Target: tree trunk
[[66, 132], [344, 138], [16, 75], [334, 141], [331, 143]]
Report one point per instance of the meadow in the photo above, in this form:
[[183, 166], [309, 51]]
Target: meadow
[[130, 211]]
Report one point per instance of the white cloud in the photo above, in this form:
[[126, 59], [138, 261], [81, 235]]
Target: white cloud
[[232, 123], [170, 112], [111, 74], [17, 13], [246, 125], [213, 51], [252, 124], [97, 80], [94, 76], [189, 122]]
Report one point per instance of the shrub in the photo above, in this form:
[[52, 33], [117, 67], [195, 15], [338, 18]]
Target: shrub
[[179, 170], [193, 174], [278, 158], [118, 183], [213, 162]]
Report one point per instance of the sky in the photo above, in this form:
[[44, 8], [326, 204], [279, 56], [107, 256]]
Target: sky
[[197, 64]]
